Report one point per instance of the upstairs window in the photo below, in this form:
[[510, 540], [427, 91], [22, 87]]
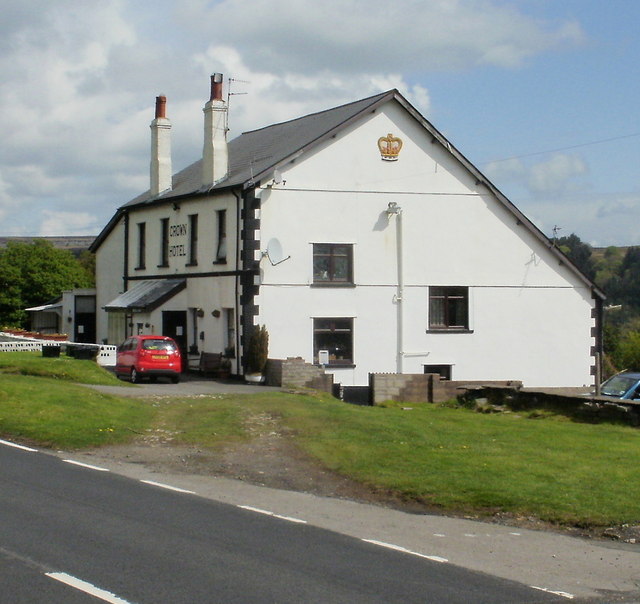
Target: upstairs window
[[333, 263], [142, 244], [221, 250], [449, 308], [193, 239], [164, 242], [334, 335]]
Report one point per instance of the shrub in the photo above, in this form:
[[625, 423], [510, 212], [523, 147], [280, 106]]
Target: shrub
[[258, 350]]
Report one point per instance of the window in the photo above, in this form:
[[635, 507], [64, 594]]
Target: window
[[193, 239], [142, 244], [444, 371], [449, 308], [230, 333], [221, 251], [164, 242], [336, 337], [332, 263]]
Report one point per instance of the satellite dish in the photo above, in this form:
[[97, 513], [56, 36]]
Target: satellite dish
[[274, 252]]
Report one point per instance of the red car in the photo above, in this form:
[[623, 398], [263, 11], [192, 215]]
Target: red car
[[149, 356]]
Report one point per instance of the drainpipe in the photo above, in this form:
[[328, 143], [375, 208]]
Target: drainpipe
[[393, 209], [236, 317]]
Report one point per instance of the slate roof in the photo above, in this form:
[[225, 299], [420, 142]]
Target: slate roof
[[257, 153]]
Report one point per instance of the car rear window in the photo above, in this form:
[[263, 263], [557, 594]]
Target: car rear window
[[167, 345]]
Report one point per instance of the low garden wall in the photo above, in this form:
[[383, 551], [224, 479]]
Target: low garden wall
[[295, 373], [423, 387]]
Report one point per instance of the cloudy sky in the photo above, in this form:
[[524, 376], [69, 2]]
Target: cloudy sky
[[542, 95]]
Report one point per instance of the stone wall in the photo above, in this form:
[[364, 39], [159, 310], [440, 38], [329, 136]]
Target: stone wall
[[423, 387], [294, 372]]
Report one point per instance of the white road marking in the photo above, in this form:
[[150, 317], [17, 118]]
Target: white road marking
[[405, 550], [564, 594], [516, 534], [87, 588], [85, 465], [15, 446], [438, 535], [166, 486], [272, 514]]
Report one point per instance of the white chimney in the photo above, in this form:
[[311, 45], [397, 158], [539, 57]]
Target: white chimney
[[160, 149], [215, 157]]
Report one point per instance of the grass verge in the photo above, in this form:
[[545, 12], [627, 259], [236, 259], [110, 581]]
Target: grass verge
[[451, 458]]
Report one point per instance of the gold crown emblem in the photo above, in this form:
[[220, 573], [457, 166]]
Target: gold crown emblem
[[389, 147]]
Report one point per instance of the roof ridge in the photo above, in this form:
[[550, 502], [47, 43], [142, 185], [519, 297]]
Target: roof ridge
[[377, 97]]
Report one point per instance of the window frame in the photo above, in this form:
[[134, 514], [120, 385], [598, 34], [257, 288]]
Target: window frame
[[221, 244], [333, 256], [321, 326], [449, 294], [193, 240], [164, 242], [142, 246]]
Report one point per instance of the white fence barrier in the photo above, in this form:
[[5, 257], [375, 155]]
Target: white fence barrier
[[106, 354]]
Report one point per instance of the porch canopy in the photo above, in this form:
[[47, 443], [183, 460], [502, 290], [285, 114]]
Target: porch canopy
[[146, 296], [53, 307]]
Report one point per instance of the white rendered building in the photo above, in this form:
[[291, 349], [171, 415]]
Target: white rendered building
[[361, 238]]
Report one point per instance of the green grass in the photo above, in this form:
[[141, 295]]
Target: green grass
[[59, 414], [452, 458], [62, 368]]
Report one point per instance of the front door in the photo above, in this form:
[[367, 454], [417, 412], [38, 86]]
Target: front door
[[85, 319], [174, 325]]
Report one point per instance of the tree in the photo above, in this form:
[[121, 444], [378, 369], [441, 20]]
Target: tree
[[578, 252], [33, 273]]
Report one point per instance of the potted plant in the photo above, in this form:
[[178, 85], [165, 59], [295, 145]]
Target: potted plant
[[225, 369], [257, 354]]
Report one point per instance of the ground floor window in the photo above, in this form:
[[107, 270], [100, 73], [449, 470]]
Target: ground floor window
[[448, 308], [230, 333], [335, 335], [444, 371]]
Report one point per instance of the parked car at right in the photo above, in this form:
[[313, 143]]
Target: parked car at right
[[148, 356], [624, 385]]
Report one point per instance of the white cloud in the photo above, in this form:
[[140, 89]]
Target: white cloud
[[556, 175], [355, 36], [78, 80], [560, 173], [54, 223]]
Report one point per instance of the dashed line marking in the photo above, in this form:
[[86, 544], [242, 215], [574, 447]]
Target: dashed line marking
[[563, 594], [272, 514], [167, 486], [516, 534], [16, 446], [404, 550], [85, 465], [87, 588], [439, 535]]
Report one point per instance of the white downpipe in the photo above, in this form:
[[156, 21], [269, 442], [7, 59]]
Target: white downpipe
[[400, 292], [393, 209]]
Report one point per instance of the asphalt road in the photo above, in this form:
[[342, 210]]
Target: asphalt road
[[69, 530]]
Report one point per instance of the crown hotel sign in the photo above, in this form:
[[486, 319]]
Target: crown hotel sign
[[389, 147]]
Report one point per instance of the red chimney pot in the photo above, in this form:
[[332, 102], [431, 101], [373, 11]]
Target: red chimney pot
[[216, 87], [161, 106]]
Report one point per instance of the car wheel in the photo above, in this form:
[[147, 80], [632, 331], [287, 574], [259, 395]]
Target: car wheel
[[175, 379], [135, 377]]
